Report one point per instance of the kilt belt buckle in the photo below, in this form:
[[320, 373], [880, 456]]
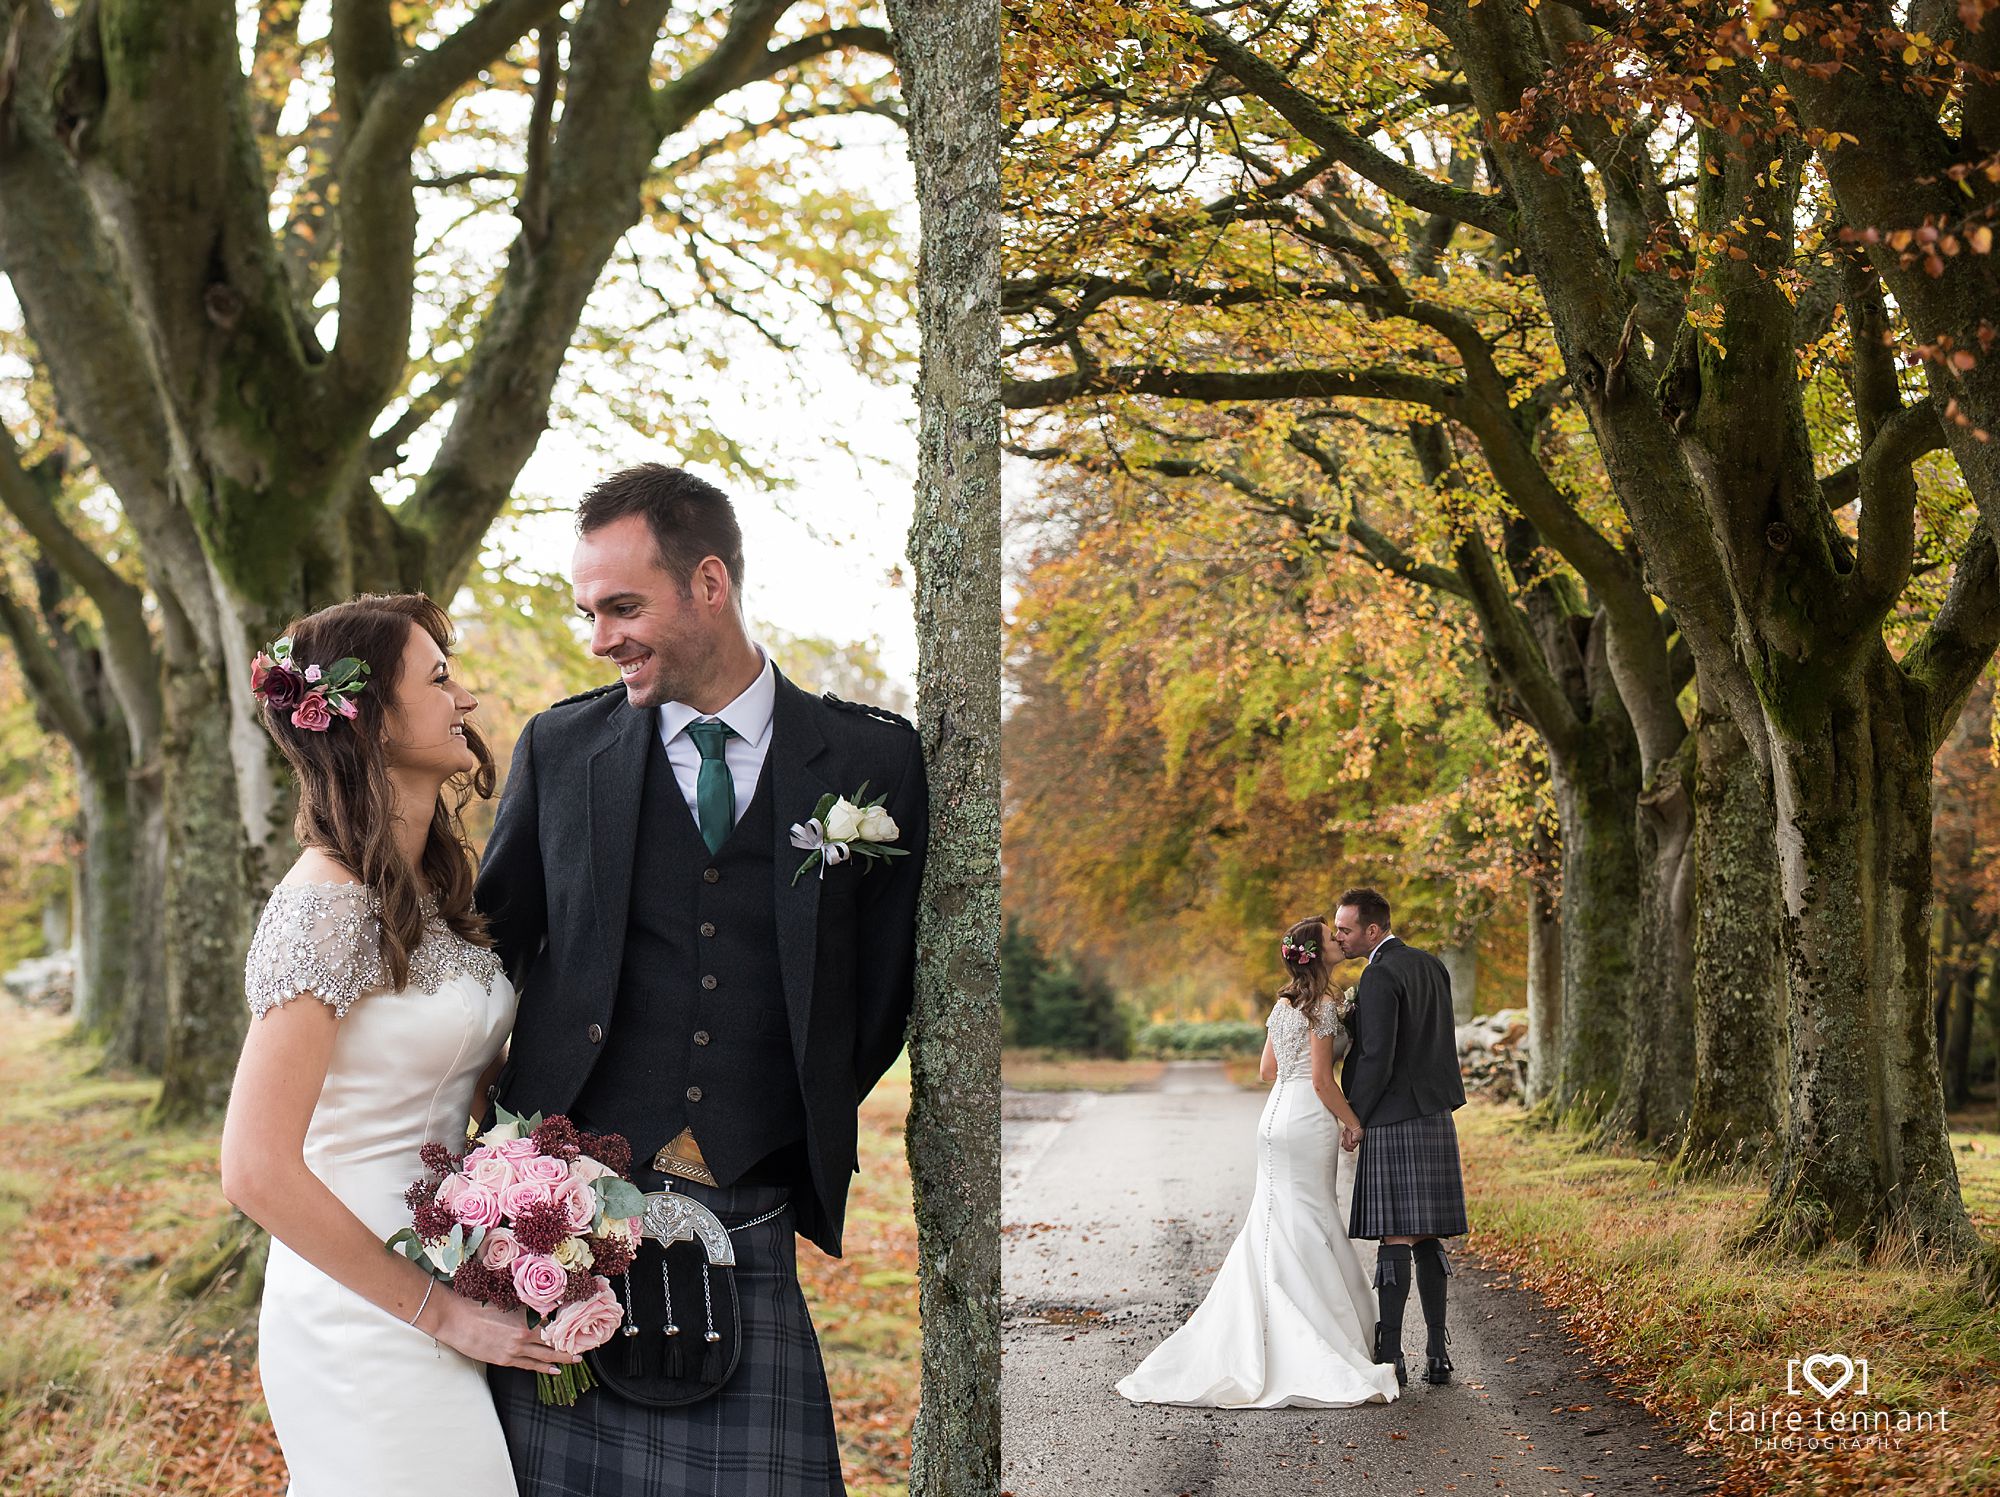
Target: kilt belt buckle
[[681, 1156]]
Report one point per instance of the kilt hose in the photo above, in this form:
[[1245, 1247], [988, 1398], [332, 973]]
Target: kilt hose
[[1407, 1181], [767, 1433]]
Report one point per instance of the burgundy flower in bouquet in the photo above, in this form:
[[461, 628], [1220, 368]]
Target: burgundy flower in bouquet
[[536, 1217]]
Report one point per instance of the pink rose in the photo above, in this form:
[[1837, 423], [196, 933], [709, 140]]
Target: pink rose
[[579, 1203], [541, 1167], [539, 1280], [586, 1169], [513, 1150], [586, 1324], [476, 1205], [450, 1189], [498, 1250], [347, 709], [312, 714], [522, 1194], [491, 1169]]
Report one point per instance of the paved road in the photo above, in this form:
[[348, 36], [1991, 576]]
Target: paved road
[[1118, 1208]]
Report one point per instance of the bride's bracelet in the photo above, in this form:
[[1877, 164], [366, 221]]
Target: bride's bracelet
[[424, 1301]]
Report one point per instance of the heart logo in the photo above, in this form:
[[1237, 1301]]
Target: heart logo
[[1821, 1360]]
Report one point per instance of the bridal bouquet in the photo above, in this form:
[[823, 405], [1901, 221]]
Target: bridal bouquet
[[535, 1217]]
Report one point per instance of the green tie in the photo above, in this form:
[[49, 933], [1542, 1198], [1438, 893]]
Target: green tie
[[714, 787]]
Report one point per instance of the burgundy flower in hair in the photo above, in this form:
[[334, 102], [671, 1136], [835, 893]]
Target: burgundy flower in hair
[[1299, 951], [313, 696]]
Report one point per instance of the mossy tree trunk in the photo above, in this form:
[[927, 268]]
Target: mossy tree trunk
[[1738, 1105], [1659, 1049], [1545, 992], [949, 56]]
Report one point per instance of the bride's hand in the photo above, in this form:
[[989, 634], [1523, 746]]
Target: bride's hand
[[489, 1335], [1350, 1138]]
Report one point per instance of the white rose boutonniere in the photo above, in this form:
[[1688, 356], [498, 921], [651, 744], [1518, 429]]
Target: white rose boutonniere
[[844, 827]]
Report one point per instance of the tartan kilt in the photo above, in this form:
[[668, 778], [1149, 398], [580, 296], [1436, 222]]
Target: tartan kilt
[[1407, 1181], [767, 1433]]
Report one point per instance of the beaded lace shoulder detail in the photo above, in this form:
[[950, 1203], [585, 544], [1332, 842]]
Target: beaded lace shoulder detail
[[326, 939], [1290, 1033]]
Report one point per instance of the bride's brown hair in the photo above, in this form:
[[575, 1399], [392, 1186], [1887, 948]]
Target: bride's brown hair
[[346, 803], [1310, 979]]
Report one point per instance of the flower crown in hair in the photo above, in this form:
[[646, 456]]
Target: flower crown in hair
[[314, 693], [1299, 953]]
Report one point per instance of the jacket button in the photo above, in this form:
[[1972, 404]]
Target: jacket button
[[694, 1094], [701, 1036], [712, 875], [596, 1033], [708, 927], [709, 982]]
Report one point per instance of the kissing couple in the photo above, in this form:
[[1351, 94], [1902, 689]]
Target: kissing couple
[[1292, 1319], [641, 951]]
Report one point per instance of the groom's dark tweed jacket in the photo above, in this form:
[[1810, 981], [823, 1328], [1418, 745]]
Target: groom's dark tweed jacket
[[1404, 1060], [557, 887]]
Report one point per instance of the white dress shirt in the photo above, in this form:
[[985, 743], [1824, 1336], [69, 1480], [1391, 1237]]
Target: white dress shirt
[[749, 717]]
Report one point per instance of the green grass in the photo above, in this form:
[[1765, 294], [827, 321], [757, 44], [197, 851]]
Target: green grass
[[1648, 1269]]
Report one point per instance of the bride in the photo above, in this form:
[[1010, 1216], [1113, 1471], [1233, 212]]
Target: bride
[[1287, 1321], [373, 1377]]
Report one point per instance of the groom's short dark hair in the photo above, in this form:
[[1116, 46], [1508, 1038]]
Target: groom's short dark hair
[[690, 517], [1370, 906]]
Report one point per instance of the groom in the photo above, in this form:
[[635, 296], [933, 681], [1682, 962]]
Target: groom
[[681, 987], [1401, 1077]]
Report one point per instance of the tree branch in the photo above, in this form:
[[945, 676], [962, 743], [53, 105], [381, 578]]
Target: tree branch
[[821, 43], [378, 215], [1888, 493], [129, 652], [47, 683], [1387, 383], [1311, 119], [1947, 660]]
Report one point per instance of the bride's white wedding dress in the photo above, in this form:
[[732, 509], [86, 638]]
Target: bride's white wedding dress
[[1290, 1318], [363, 1403]]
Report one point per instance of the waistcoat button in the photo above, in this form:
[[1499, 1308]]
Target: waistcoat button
[[701, 1036], [596, 1033], [709, 982], [712, 875], [708, 927], [694, 1094]]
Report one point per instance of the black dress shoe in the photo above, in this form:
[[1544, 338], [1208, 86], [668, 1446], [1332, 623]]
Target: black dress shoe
[[1437, 1361], [1402, 1372]]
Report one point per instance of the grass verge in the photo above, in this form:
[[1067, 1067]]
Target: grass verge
[[1643, 1270], [1054, 1071]]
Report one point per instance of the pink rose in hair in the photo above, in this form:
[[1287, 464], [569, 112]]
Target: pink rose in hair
[[347, 709], [312, 714], [586, 1324], [540, 1281]]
